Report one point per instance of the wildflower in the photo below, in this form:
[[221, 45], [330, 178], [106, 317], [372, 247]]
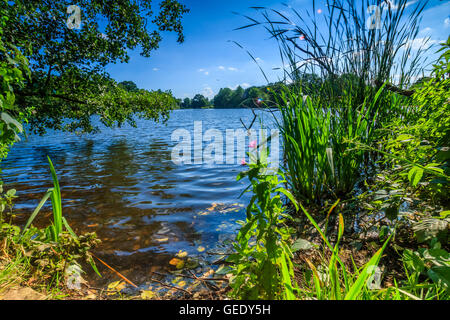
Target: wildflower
[[302, 37], [243, 162], [252, 144]]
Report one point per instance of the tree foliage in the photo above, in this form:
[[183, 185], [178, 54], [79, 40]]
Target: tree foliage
[[68, 82], [13, 70]]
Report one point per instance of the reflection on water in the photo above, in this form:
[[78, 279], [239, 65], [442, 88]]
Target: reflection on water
[[122, 184]]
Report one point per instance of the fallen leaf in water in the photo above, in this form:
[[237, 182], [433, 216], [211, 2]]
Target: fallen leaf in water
[[162, 240], [181, 284], [178, 263], [93, 225], [182, 254], [209, 273], [147, 294], [203, 213], [212, 207], [175, 280], [116, 286], [174, 261], [201, 249]]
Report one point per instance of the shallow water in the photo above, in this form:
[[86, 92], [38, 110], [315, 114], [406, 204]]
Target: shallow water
[[122, 184]]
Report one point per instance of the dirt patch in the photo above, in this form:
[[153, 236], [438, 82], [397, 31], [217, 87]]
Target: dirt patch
[[21, 293]]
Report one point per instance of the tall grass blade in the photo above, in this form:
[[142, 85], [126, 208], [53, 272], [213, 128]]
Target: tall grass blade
[[357, 287]]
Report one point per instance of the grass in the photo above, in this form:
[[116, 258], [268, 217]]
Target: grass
[[347, 100], [344, 91], [56, 228], [41, 256], [338, 283]]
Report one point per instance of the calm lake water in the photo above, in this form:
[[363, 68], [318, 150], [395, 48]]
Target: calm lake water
[[122, 184]]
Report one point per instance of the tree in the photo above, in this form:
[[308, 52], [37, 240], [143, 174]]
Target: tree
[[68, 78], [237, 98], [129, 86], [223, 98], [186, 103], [13, 70], [199, 101]]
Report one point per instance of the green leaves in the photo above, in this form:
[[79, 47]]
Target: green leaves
[[262, 267], [433, 262], [357, 288], [54, 230], [415, 175], [430, 228], [11, 123], [440, 275], [68, 82], [13, 66], [301, 244]]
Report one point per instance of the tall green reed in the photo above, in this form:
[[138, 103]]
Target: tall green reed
[[56, 228], [336, 281], [355, 62], [319, 157]]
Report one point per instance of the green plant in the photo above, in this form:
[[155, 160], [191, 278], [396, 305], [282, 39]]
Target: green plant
[[320, 159], [353, 63], [31, 259], [415, 174], [55, 229], [262, 267], [13, 72], [337, 282], [6, 202], [434, 263], [42, 255], [69, 83]]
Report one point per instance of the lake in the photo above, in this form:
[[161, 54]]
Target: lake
[[122, 184]]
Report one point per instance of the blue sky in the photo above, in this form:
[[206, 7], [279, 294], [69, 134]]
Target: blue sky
[[207, 61]]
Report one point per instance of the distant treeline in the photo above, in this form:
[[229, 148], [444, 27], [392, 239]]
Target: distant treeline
[[237, 98], [240, 97], [261, 96], [228, 98]]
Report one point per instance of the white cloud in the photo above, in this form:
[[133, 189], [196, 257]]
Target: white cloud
[[232, 69], [447, 22], [418, 43], [208, 92], [394, 6], [221, 68], [426, 30], [204, 71], [155, 69], [259, 60], [244, 85]]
